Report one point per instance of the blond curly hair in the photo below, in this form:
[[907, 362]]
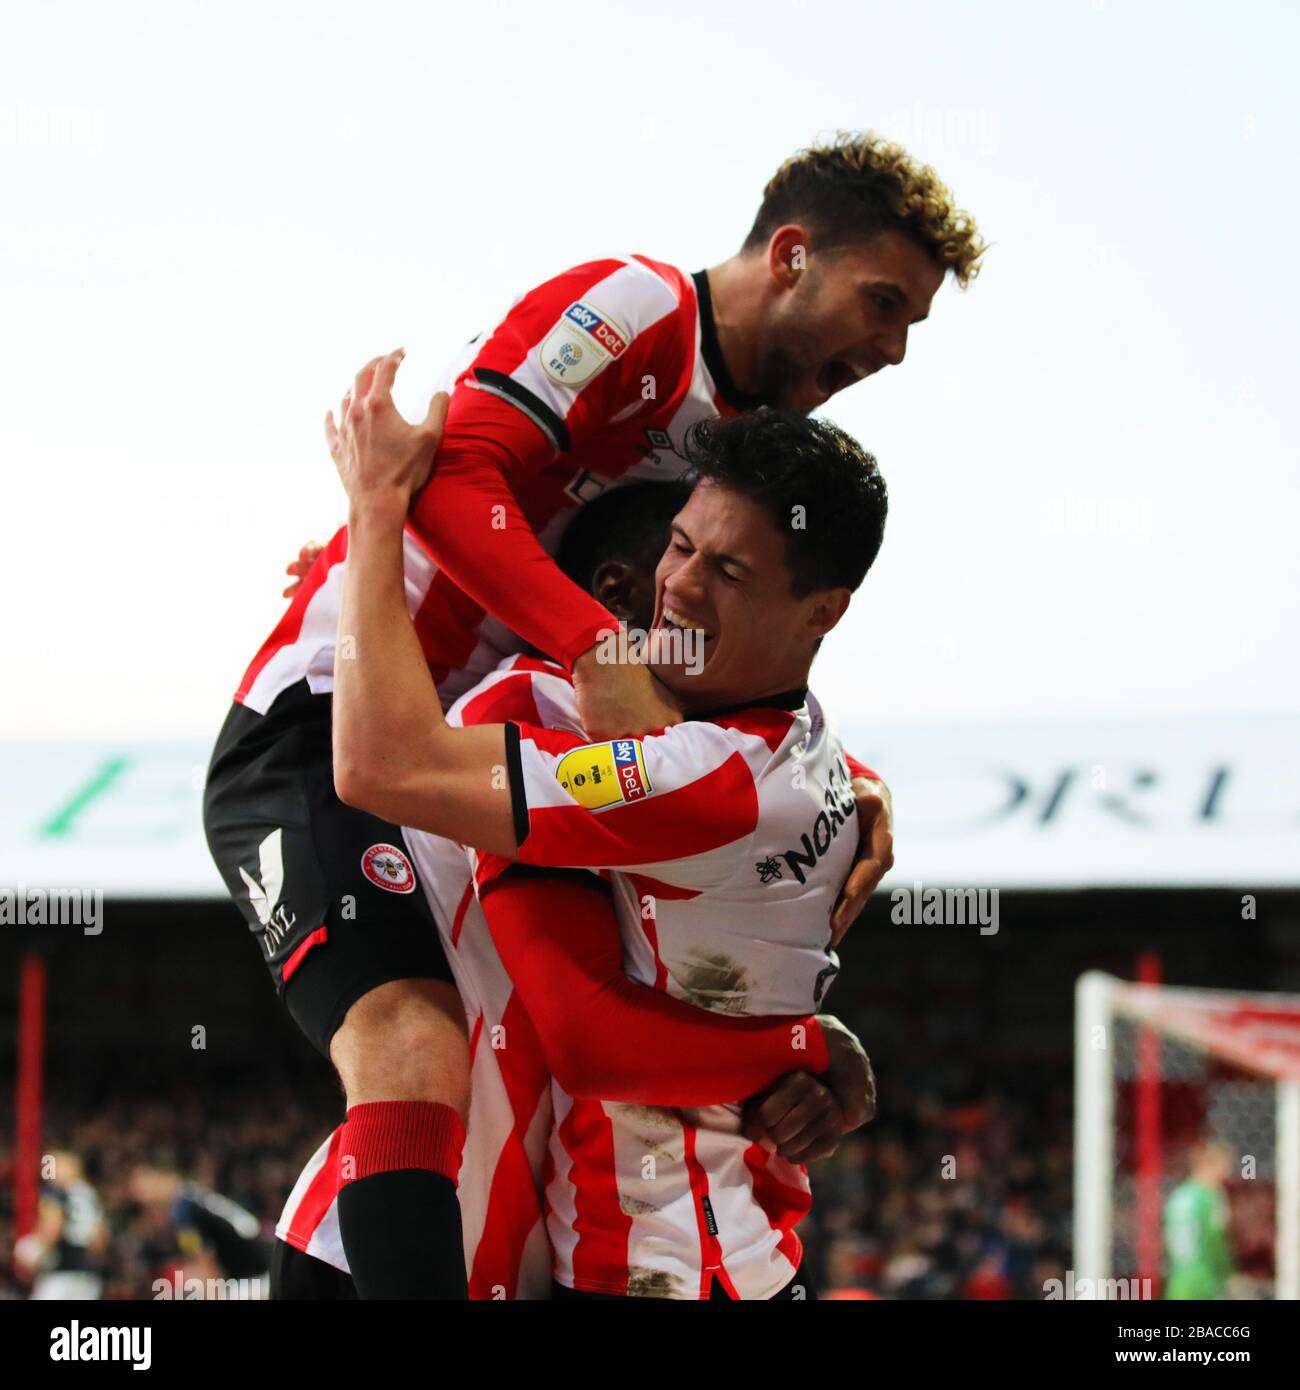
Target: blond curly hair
[[860, 184]]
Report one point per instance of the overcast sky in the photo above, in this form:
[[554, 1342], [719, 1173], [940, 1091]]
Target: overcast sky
[[210, 214]]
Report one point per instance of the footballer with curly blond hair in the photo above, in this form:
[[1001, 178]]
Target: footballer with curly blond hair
[[850, 244]]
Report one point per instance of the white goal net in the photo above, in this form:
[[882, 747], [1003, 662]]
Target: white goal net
[[1187, 1142]]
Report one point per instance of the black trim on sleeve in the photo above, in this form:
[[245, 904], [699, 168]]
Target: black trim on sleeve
[[541, 414], [712, 349], [515, 772]]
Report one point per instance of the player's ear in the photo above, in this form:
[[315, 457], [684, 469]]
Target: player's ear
[[825, 608], [627, 594], [787, 255]]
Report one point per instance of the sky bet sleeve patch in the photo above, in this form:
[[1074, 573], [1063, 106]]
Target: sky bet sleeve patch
[[600, 775], [581, 344]]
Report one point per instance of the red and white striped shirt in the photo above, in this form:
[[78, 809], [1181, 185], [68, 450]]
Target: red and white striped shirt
[[591, 379], [730, 837], [639, 1199]]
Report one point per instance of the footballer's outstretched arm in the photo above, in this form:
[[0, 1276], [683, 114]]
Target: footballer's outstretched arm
[[507, 420], [472, 523], [394, 753]]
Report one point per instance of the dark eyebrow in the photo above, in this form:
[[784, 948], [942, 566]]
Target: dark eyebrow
[[720, 558]]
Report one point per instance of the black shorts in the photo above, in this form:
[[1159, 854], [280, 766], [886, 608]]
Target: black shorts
[[328, 892], [296, 1275]]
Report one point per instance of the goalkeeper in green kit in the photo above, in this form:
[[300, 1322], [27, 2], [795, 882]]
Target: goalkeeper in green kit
[[1196, 1229]]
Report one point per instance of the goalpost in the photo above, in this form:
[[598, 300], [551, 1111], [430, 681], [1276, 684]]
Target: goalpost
[[1160, 1070]]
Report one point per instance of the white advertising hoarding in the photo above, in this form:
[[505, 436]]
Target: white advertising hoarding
[[1182, 802]]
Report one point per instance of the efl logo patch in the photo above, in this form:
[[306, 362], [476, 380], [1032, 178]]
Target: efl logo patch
[[605, 774], [387, 867], [581, 344]]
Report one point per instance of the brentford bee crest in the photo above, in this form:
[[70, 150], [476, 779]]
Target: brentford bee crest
[[387, 867]]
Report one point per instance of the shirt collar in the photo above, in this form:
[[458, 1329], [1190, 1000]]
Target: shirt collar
[[712, 351], [787, 699]]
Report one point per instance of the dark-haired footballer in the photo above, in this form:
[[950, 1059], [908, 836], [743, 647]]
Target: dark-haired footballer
[[593, 377], [603, 1036], [723, 837]]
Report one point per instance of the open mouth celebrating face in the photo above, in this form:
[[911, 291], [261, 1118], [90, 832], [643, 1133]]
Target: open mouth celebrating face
[[673, 619], [680, 642], [835, 376]]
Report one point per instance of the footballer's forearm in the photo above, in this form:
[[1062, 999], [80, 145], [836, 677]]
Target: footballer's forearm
[[606, 1037], [394, 753], [472, 523]]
